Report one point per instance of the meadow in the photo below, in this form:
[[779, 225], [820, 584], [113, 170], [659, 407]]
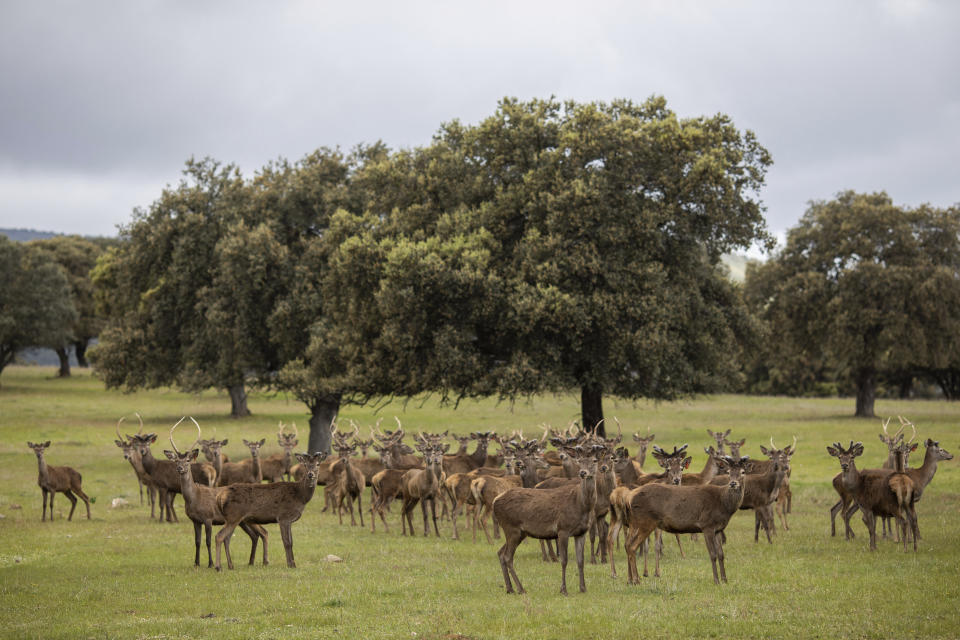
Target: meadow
[[123, 575]]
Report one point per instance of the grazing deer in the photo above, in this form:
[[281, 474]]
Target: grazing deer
[[870, 489], [548, 514], [200, 503], [422, 485], [248, 470], [276, 467], [280, 502], [66, 480], [677, 509]]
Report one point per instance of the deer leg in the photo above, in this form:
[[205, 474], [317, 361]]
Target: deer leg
[[914, 527], [602, 528], [85, 498], [496, 528], [871, 521], [73, 503], [223, 538], [196, 543], [679, 546], [43, 516], [657, 553], [631, 543], [612, 535], [286, 534], [562, 540], [383, 517], [360, 507], [593, 540], [846, 519], [578, 543], [834, 510], [152, 496], [710, 539], [433, 512]]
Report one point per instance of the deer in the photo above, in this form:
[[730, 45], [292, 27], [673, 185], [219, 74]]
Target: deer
[[462, 463], [132, 455], [280, 502], [485, 489], [348, 482], [642, 442], [703, 509], [761, 490], [244, 471], [548, 514], [276, 467], [200, 502], [721, 439], [423, 485], [164, 473], [870, 489], [65, 480]]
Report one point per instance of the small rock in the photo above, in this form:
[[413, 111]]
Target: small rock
[[15, 506], [209, 615], [2, 517], [18, 559], [116, 503], [333, 558]]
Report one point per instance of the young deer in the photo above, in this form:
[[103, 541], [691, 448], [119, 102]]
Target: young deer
[[677, 509], [423, 485], [244, 471], [643, 442], [280, 502], [548, 514], [66, 480], [200, 503], [721, 439]]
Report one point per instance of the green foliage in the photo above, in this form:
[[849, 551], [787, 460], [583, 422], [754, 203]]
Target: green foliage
[[123, 575], [36, 306], [862, 286]]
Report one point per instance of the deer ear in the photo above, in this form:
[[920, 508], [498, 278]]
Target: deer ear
[[686, 463], [29, 444], [764, 450], [194, 454], [833, 452], [46, 444], [262, 441], [913, 447], [224, 442], [301, 457], [170, 455]]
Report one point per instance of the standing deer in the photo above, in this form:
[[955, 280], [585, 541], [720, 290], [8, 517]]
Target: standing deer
[[423, 485], [164, 473], [200, 503], [244, 471], [870, 489], [677, 509], [276, 467], [348, 482], [548, 514], [132, 455], [721, 439], [66, 480], [280, 502]]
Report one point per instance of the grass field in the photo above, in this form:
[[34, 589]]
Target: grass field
[[123, 575]]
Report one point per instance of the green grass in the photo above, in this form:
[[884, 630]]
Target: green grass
[[121, 575]]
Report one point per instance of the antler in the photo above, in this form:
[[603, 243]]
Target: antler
[[172, 443], [903, 423], [118, 428]]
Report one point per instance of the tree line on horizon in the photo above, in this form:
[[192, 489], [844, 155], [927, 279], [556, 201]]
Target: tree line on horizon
[[553, 246]]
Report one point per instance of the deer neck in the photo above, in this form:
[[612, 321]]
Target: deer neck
[[148, 461], [850, 477], [710, 469], [641, 456], [218, 461], [306, 487], [587, 496], [187, 487], [257, 471], [928, 468], [287, 460], [732, 497], [529, 477], [42, 467], [479, 455]]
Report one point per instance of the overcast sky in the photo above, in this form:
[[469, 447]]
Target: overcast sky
[[102, 102]]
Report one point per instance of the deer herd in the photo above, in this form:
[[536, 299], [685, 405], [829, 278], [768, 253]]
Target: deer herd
[[526, 489]]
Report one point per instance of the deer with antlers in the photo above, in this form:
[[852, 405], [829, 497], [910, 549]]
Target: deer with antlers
[[278, 466], [51, 480], [280, 502], [677, 509], [200, 502], [132, 455], [872, 490], [348, 482], [642, 443]]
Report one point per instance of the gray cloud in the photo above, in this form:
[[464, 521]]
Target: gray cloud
[[102, 102]]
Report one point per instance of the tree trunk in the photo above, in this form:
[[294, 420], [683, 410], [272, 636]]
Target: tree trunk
[[591, 408], [323, 413], [866, 392], [80, 348], [238, 401], [64, 356]]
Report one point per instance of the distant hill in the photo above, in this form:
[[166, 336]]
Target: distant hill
[[25, 235]]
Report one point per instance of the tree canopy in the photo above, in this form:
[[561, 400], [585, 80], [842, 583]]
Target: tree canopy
[[867, 286], [36, 308]]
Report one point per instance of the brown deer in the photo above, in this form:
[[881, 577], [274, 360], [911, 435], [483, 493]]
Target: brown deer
[[463, 463], [164, 473], [677, 509], [276, 467], [348, 483], [51, 480], [486, 489], [132, 455], [760, 491], [248, 470], [870, 488], [548, 514], [720, 437], [423, 485], [280, 502], [642, 442], [200, 503]]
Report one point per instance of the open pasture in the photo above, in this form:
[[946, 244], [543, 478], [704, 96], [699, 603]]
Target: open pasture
[[123, 575]]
